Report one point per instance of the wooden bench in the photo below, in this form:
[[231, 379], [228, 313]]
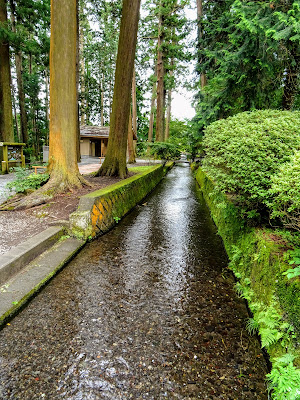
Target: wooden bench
[[36, 167]]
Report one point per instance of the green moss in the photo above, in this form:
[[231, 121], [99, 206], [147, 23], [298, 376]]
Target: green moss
[[258, 258], [141, 169], [101, 210], [122, 183]]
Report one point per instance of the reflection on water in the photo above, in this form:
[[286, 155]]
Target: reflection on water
[[145, 312]]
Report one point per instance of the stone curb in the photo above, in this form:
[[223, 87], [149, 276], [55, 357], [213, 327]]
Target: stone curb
[[100, 211], [17, 291], [25, 269], [15, 259]]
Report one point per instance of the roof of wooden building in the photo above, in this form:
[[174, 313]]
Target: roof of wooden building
[[88, 131], [97, 132]]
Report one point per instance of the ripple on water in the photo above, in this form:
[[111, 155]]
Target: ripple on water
[[146, 312]]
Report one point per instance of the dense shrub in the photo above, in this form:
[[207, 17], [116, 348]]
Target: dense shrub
[[165, 151], [243, 153], [285, 190], [141, 148]]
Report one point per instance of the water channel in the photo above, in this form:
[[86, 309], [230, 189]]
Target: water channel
[[148, 311]]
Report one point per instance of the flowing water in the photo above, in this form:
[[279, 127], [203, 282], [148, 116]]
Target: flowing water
[[148, 311]]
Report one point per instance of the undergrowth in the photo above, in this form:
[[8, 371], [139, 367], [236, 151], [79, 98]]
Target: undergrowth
[[275, 332], [26, 181]]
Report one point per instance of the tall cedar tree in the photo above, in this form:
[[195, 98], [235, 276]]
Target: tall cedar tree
[[115, 160], [63, 167], [160, 89], [21, 94], [6, 119]]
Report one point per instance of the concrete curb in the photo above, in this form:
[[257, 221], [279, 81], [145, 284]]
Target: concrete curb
[[15, 259], [25, 269], [17, 291]]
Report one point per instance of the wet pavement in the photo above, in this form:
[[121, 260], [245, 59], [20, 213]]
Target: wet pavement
[[4, 192], [148, 311]]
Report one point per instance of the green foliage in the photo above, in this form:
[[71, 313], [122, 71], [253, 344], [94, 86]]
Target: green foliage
[[252, 326], [285, 200], [141, 148], [244, 152], [249, 54], [26, 181], [164, 151], [294, 259], [267, 320], [284, 379]]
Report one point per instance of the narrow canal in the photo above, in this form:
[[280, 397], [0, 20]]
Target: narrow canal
[[148, 311]]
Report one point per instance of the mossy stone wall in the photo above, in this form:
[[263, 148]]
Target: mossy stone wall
[[256, 255], [99, 211]]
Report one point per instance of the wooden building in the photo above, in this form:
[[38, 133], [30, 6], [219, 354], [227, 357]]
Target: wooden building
[[93, 140]]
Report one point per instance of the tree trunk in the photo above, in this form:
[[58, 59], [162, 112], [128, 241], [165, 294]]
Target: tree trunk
[[78, 156], [134, 104], [168, 119], [134, 112], [6, 117], [169, 103], [131, 154], [82, 80], [291, 78], [16, 118], [151, 120], [63, 165], [203, 79], [115, 160], [102, 102], [161, 93], [47, 104], [21, 95]]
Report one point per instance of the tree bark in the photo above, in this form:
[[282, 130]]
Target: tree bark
[[63, 165], [82, 80], [161, 92], [168, 119], [152, 109], [134, 112], [6, 117], [291, 79], [115, 160], [21, 94], [134, 103], [47, 104], [131, 154], [169, 103], [101, 99], [16, 118]]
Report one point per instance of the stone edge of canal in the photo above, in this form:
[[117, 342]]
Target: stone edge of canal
[[258, 267], [97, 213]]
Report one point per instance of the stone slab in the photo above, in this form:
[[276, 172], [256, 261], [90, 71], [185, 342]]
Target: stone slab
[[16, 292], [16, 258]]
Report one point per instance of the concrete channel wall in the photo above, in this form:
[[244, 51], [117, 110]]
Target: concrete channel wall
[[28, 267], [258, 259], [100, 211]]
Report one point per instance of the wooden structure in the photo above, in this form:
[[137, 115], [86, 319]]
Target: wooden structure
[[11, 155], [94, 139]]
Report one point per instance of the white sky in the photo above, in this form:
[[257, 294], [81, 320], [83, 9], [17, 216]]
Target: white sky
[[181, 105]]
